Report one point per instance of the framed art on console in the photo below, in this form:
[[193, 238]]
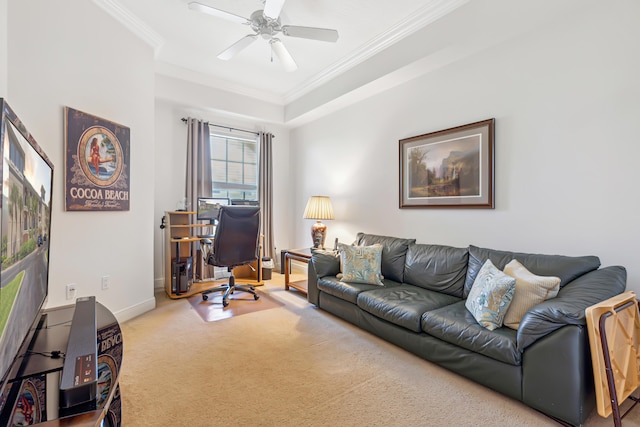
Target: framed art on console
[[451, 168]]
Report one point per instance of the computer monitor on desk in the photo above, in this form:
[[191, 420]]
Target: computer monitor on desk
[[242, 202], [209, 209]]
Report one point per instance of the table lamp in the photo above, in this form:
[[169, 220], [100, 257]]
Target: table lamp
[[318, 208]]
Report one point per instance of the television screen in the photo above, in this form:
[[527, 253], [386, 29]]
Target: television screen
[[27, 176], [209, 208]]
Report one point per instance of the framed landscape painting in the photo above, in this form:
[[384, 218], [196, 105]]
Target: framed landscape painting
[[451, 168]]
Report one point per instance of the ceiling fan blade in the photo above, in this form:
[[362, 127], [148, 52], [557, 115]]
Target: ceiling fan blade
[[272, 8], [194, 5], [283, 54], [322, 34], [235, 48]]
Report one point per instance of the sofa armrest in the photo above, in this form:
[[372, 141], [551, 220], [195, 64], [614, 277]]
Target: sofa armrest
[[568, 308], [323, 263], [313, 294]]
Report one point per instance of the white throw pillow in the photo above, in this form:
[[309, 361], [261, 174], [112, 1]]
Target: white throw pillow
[[530, 291]]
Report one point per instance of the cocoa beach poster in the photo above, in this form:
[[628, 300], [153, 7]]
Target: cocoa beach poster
[[96, 163]]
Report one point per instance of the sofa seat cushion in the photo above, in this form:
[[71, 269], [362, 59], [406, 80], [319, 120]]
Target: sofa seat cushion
[[349, 291], [456, 325], [403, 305]]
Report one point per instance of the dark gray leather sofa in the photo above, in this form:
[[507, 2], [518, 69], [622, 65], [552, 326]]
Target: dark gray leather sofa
[[545, 364]]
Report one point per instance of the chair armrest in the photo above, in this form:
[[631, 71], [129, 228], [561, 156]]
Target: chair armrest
[[568, 308]]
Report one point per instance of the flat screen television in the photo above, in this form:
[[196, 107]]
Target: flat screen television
[[209, 208], [25, 224]]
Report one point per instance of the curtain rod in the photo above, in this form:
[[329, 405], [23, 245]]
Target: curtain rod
[[227, 127]]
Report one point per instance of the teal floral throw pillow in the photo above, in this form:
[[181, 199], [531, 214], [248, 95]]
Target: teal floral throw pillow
[[361, 264], [490, 296]]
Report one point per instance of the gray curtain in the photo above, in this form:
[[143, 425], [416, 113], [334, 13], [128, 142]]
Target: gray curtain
[[265, 192], [198, 166], [198, 162]]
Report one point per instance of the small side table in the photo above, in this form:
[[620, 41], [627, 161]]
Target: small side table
[[302, 255]]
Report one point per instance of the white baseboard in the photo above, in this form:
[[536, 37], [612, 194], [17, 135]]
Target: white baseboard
[[136, 310]]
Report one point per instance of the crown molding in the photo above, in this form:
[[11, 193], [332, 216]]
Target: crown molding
[[178, 72], [429, 13], [133, 23], [432, 11]]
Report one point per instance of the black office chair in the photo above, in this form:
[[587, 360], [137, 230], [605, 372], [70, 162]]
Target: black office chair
[[235, 243]]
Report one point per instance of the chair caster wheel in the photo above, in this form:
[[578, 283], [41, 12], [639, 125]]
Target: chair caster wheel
[[225, 303], [256, 297], [205, 297]]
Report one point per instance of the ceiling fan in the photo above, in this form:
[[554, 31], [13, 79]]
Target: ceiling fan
[[266, 24]]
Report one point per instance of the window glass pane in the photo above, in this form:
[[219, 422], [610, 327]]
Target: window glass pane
[[235, 173], [234, 165], [251, 154], [218, 149], [219, 170], [250, 174], [235, 151]]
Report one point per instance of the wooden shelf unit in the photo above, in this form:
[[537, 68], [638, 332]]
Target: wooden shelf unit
[[181, 234]]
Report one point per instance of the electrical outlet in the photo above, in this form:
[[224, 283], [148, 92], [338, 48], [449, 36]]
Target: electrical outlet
[[71, 291], [106, 282]]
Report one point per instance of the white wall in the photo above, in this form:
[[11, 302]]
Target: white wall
[[173, 104], [566, 102], [73, 54], [565, 99]]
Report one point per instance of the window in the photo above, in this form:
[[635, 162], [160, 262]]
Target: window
[[234, 167]]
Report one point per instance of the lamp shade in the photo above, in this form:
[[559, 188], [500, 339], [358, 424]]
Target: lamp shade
[[318, 207]]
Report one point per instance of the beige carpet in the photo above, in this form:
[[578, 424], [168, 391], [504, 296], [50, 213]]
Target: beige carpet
[[294, 365], [239, 303]]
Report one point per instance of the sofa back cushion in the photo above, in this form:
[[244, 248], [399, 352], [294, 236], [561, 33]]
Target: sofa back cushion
[[564, 267], [394, 250], [437, 268]]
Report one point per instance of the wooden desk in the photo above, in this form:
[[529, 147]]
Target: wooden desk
[[181, 237], [302, 255]]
